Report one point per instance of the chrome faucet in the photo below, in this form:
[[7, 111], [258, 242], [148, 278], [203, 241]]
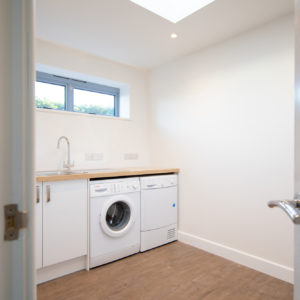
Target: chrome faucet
[[68, 165]]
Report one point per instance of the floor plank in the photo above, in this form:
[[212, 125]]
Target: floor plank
[[175, 271]]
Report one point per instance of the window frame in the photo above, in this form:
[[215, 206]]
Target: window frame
[[70, 84]]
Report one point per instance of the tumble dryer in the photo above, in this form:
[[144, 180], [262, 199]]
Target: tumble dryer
[[158, 210]]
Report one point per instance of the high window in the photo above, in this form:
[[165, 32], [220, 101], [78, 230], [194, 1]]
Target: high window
[[66, 94]]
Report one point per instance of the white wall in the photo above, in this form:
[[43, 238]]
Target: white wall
[[224, 116], [89, 134]]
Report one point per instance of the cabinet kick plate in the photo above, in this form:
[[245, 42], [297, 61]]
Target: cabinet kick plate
[[14, 222]]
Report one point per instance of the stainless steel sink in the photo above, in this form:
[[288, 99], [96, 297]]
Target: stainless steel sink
[[101, 170], [90, 171], [53, 173]]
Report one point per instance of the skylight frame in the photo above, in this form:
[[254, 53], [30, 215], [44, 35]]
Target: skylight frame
[[173, 10]]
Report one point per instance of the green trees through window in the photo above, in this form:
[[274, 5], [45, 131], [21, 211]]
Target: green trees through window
[[88, 109]]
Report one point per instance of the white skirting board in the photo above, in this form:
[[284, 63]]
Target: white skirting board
[[243, 258], [61, 269], [113, 255]]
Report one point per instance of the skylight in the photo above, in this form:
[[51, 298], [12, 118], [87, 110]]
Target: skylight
[[173, 10]]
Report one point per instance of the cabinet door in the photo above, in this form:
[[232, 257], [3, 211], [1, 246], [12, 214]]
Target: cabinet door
[[39, 227], [64, 220]]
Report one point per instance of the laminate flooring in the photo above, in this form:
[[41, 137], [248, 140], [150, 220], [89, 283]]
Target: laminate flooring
[[172, 272]]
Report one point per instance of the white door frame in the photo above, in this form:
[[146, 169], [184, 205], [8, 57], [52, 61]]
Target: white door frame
[[297, 149], [17, 75]]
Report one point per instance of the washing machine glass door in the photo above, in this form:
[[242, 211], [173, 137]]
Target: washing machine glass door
[[117, 216]]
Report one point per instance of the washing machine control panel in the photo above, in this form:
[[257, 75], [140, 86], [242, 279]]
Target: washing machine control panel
[[110, 188]]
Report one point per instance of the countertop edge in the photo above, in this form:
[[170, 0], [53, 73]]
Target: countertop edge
[[108, 174]]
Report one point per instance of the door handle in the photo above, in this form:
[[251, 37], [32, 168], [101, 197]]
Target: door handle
[[38, 197], [152, 185], [289, 207], [48, 193]]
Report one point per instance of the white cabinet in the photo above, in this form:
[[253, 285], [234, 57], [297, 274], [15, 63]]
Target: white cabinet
[[39, 227], [64, 221]]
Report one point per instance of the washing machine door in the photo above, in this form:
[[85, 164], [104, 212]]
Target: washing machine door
[[117, 216]]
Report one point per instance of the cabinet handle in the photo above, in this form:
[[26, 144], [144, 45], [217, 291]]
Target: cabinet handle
[[38, 196], [101, 190], [151, 185], [48, 193]]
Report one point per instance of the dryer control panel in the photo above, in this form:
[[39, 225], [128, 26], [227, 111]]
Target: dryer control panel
[[158, 182]]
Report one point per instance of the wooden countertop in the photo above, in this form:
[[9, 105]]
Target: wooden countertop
[[101, 173]]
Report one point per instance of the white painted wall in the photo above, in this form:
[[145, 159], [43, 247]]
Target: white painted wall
[[89, 134], [225, 117]]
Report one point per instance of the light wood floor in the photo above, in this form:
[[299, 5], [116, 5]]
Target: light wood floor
[[175, 271]]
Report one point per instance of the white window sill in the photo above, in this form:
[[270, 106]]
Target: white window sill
[[84, 115]]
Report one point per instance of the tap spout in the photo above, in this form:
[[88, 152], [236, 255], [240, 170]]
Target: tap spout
[[67, 164]]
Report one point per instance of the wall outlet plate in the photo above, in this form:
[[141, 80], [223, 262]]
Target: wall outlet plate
[[93, 156], [131, 156]]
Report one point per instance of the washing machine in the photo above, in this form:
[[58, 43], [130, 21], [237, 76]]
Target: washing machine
[[159, 210], [114, 219]]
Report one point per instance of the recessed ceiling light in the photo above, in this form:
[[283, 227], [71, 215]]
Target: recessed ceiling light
[[173, 10], [174, 35]]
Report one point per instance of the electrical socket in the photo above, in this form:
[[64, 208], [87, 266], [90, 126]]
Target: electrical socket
[[131, 156], [93, 156]]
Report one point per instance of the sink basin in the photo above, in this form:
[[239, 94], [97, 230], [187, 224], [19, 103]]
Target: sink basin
[[101, 170], [90, 171], [53, 173]]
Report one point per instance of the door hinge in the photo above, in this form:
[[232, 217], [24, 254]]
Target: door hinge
[[15, 220], [297, 200]]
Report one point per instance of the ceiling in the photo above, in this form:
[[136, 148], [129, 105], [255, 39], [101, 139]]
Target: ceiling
[[122, 31]]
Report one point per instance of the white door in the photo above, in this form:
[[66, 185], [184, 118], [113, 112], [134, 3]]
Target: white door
[[16, 145], [297, 152], [292, 207]]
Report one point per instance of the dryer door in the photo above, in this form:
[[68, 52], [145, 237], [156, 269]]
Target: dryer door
[[158, 208], [117, 216]]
